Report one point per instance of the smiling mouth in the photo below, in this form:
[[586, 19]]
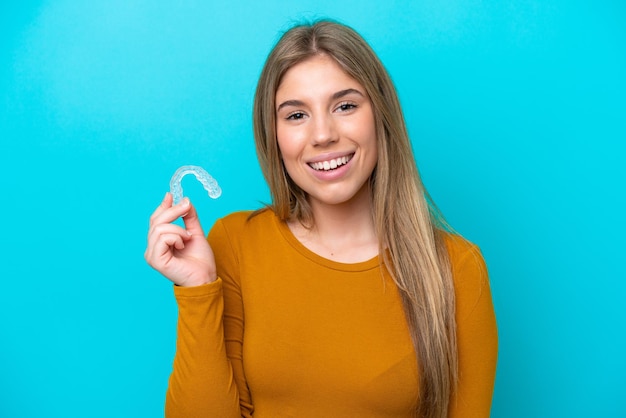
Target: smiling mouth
[[330, 164]]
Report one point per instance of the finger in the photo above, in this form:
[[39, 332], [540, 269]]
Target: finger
[[164, 248], [192, 222], [171, 213], [157, 232], [178, 243], [160, 229], [165, 204]]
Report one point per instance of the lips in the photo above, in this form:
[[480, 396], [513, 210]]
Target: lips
[[330, 164]]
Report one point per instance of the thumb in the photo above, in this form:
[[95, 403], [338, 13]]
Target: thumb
[[192, 222]]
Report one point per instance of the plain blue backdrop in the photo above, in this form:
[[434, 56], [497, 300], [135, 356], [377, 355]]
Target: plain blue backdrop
[[516, 110]]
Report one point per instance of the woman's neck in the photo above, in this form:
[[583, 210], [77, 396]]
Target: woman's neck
[[343, 232]]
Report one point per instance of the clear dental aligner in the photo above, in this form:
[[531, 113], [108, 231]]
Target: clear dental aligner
[[209, 183]]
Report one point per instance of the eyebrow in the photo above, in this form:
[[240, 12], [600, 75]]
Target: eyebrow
[[335, 96]]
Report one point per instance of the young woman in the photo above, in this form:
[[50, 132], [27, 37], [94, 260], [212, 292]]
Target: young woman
[[346, 297]]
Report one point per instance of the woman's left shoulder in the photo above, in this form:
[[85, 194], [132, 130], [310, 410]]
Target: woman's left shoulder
[[466, 260], [459, 247]]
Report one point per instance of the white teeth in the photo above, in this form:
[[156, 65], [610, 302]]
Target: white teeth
[[330, 164]]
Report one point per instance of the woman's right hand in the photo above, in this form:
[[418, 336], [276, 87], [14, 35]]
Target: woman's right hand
[[183, 255]]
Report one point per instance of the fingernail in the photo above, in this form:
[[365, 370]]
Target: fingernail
[[185, 201]]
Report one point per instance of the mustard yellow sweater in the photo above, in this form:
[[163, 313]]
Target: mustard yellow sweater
[[284, 332]]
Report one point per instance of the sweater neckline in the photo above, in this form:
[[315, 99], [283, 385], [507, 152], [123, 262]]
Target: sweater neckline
[[323, 261]]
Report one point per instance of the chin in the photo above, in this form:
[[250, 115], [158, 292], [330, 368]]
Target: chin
[[334, 199]]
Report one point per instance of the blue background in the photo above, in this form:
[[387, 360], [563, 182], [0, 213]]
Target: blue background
[[516, 110]]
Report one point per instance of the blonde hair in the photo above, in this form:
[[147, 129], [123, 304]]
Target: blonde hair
[[409, 226]]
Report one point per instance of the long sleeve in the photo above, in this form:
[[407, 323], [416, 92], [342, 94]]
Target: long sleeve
[[201, 384], [208, 378], [477, 337]]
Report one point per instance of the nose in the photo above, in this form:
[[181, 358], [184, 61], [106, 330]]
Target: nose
[[324, 130]]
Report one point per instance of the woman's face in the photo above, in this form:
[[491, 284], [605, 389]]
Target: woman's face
[[326, 131]]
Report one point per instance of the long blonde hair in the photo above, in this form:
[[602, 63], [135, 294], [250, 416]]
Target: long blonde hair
[[408, 225]]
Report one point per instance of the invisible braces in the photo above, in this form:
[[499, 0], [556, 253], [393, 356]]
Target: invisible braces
[[208, 182]]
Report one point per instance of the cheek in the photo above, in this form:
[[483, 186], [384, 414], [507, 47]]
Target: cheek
[[287, 156], [281, 141], [288, 144], [364, 127], [283, 149]]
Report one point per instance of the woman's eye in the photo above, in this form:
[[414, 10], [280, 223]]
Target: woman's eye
[[343, 107], [295, 116]]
